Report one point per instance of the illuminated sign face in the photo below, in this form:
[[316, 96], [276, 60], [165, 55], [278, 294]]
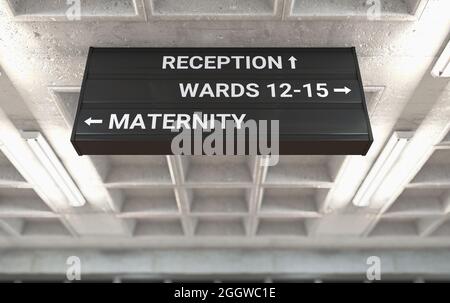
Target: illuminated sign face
[[137, 101]]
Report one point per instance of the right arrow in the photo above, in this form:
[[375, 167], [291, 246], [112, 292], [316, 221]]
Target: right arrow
[[345, 90]]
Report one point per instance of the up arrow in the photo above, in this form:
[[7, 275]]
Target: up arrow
[[293, 61], [345, 90], [93, 121]]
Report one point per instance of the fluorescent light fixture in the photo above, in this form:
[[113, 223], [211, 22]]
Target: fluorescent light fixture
[[54, 167], [381, 168], [442, 67]]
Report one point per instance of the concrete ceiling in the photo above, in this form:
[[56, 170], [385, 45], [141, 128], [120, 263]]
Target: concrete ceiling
[[164, 202]]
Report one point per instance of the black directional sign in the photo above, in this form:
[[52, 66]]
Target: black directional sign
[[137, 100]]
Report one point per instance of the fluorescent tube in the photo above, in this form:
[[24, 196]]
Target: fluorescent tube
[[54, 167], [381, 168], [442, 67]]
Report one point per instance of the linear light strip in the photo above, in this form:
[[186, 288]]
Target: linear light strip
[[442, 67], [54, 167], [381, 168]]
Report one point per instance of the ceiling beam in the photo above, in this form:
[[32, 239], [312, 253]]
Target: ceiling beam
[[210, 262]]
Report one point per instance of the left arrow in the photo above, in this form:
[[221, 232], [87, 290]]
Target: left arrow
[[93, 121]]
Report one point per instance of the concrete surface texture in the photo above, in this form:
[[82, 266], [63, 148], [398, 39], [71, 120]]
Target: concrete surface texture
[[226, 202]]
